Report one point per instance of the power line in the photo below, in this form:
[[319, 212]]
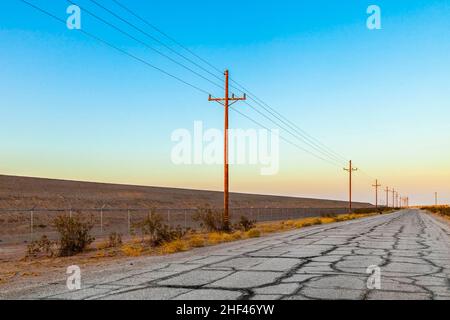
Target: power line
[[164, 72], [116, 48], [166, 35], [290, 132], [318, 149], [144, 44], [155, 39], [301, 134], [300, 130], [284, 139], [330, 161]]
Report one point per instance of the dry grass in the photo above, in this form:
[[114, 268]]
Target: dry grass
[[175, 246], [132, 249], [196, 241], [253, 233]]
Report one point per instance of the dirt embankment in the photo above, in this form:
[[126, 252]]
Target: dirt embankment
[[23, 193]]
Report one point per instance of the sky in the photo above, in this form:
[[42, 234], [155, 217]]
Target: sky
[[74, 108]]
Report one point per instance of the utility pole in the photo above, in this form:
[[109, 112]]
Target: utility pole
[[387, 196], [226, 103], [396, 199], [350, 171], [393, 198], [436, 199], [376, 186]]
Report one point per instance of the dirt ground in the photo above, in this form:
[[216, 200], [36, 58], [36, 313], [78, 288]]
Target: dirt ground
[[25, 193]]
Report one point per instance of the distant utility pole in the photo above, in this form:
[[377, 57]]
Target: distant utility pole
[[350, 170], [376, 186], [393, 198], [387, 196], [396, 199], [436, 199], [226, 103]]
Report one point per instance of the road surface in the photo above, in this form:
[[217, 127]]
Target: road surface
[[411, 248]]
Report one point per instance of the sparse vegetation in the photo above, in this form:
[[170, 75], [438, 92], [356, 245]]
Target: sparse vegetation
[[74, 235], [254, 233], [157, 233], [42, 247], [441, 210], [245, 224], [209, 220], [159, 238], [115, 240], [132, 249]]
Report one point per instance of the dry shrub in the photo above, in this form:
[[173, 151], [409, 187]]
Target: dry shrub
[[209, 220], [74, 235], [42, 248], [158, 232], [245, 224], [254, 233], [115, 240], [132, 250]]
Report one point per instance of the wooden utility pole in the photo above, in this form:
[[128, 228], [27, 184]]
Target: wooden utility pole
[[436, 199], [387, 196], [350, 170], [376, 186], [396, 199], [393, 198], [227, 101]]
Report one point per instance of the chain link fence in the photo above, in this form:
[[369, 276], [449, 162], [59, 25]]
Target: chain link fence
[[23, 226]]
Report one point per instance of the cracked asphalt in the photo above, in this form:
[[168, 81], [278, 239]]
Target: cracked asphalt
[[411, 248]]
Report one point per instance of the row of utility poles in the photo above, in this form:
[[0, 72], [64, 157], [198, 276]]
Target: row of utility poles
[[227, 101], [397, 200]]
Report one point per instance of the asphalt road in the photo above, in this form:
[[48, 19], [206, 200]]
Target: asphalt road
[[411, 249]]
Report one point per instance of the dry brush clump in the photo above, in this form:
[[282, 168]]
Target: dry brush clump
[[74, 235], [42, 248], [210, 220], [74, 238], [156, 232], [245, 224], [442, 210]]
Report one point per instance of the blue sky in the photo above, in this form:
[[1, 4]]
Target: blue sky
[[73, 108]]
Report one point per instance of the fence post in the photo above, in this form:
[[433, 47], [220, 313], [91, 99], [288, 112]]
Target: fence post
[[185, 219]]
